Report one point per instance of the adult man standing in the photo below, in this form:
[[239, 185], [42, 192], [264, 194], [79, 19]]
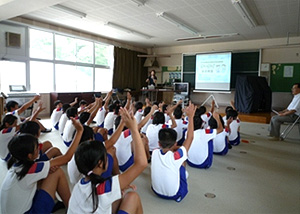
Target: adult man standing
[[289, 114]]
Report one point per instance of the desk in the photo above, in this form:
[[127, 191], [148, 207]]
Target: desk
[[162, 94]]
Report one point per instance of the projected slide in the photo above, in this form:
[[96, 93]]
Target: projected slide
[[213, 71]]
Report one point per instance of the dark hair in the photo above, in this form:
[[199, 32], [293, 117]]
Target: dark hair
[[202, 110], [117, 121], [84, 116], [178, 112], [82, 102], [19, 147], [10, 119], [87, 157], [87, 134], [167, 137], [65, 107], [71, 112], [298, 84], [158, 118], [155, 103], [228, 108], [11, 104], [164, 108], [30, 127], [231, 113], [138, 106], [213, 123], [197, 122], [111, 107], [146, 111], [57, 102]]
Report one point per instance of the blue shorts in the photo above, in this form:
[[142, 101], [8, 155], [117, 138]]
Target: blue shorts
[[236, 141], [225, 150], [56, 126], [122, 212], [42, 203], [99, 137], [110, 132], [7, 157], [108, 172], [183, 188], [102, 125], [125, 166], [208, 161], [43, 157]]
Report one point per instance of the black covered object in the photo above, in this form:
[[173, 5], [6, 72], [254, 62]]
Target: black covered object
[[252, 94]]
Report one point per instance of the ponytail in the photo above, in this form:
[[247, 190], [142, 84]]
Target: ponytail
[[87, 157]]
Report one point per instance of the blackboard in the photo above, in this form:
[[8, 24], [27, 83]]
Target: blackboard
[[284, 76], [244, 63]]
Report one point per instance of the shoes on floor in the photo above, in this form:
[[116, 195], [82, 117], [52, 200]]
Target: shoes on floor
[[274, 138], [47, 130]]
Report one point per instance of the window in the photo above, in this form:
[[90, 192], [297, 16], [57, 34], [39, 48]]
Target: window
[[70, 78], [12, 73], [41, 76], [103, 79], [41, 44], [103, 54]]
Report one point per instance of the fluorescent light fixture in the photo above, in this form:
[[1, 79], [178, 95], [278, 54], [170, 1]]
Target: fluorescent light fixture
[[213, 36], [121, 28], [139, 2], [182, 26], [69, 10], [244, 12]]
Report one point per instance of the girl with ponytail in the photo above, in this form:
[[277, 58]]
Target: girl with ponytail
[[96, 194], [20, 192]]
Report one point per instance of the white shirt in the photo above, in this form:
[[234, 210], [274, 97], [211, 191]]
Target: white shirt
[[144, 128], [109, 120], [181, 126], [205, 118], [15, 113], [74, 174], [55, 116], [82, 202], [99, 118], [219, 141], [62, 123], [17, 195], [68, 131], [165, 171], [295, 104], [123, 147], [138, 115], [234, 128], [152, 135], [5, 136], [198, 151]]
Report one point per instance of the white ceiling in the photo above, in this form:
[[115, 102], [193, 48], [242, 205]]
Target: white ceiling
[[276, 18]]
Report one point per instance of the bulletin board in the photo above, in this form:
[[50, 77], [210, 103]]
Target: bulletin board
[[283, 76]]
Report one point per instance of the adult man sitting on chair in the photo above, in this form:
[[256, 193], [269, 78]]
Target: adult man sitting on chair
[[289, 114]]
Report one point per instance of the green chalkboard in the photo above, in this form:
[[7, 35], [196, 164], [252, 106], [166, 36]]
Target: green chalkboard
[[283, 76], [242, 63]]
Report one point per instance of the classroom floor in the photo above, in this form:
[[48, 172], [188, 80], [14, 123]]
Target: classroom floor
[[258, 176]]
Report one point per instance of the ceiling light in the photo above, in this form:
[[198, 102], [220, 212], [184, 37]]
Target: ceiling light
[[244, 12], [213, 36], [69, 10], [182, 26], [118, 27], [139, 2]]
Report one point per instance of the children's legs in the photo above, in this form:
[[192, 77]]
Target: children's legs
[[131, 203], [112, 152], [57, 181], [53, 152], [46, 145], [42, 127]]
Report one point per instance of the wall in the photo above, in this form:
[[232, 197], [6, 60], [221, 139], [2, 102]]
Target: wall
[[273, 51]]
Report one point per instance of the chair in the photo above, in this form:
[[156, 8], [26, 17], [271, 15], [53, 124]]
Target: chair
[[289, 128]]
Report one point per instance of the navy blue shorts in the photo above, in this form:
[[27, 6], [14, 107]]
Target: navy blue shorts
[[42, 203], [99, 137], [122, 212], [208, 161], [183, 188], [225, 150], [236, 141], [56, 126], [125, 166]]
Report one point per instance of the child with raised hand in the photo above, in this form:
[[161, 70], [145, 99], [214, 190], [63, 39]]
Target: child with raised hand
[[169, 161], [200, 154], [20, 192], [100, 115], [96, 194]]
